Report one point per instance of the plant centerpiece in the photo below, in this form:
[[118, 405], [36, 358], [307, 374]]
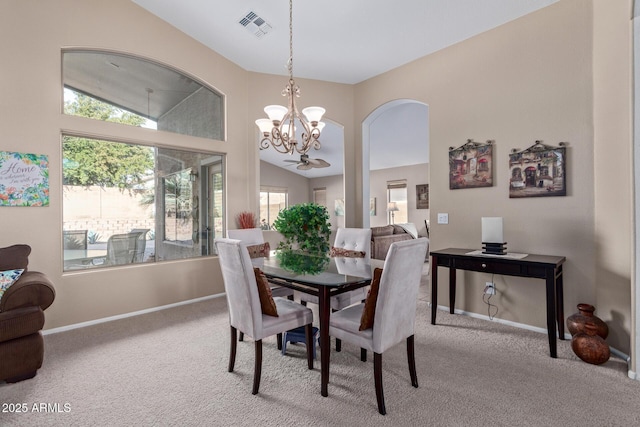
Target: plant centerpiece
[[306, 232], [305, 227]]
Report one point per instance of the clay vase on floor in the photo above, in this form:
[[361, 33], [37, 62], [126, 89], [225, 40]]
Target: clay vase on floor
[[589, 346], [576, 322]]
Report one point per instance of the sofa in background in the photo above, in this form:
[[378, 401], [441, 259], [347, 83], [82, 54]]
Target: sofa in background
[[22, 316], [383, 237]]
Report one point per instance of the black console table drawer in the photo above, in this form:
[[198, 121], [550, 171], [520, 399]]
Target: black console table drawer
[[486, 266]]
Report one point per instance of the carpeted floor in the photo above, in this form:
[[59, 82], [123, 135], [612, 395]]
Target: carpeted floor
[[170, 368]]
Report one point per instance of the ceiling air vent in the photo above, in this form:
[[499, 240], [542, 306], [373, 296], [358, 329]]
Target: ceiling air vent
[[255, 25]]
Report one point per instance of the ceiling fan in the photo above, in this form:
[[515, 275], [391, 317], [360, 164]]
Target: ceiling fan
[[306, 163]]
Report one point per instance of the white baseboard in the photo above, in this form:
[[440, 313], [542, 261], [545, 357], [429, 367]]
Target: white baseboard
[[617, 353], [125, 315]]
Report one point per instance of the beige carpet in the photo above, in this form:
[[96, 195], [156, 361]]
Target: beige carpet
[[170, 368]]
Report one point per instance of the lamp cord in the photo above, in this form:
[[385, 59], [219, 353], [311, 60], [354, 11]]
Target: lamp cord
[[487, 300]]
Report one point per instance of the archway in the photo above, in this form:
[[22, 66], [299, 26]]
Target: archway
[[401, 126]]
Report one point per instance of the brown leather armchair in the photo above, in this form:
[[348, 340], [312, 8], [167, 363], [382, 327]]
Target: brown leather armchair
[[22, 317]]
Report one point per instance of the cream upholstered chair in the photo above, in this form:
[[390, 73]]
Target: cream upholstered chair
[[353, 239], [254, 236], [395, 310], [245, 312]]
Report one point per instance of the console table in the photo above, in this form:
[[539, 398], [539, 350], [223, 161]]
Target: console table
[[544, 267]]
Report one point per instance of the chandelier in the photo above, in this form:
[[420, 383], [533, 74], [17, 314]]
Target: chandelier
[[279, 130]]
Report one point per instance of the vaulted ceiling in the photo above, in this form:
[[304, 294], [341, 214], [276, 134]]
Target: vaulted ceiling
[[345, 41]]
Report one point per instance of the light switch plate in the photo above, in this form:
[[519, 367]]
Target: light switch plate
[[443, 218]]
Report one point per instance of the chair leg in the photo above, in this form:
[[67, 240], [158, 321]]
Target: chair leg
[[363, 355], [234, 345], [411, 356], [279, 338], [377, 374], [257, 370], [241, 338], [308, 334]]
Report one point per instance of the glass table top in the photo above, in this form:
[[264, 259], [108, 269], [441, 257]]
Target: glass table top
[[314, 270]]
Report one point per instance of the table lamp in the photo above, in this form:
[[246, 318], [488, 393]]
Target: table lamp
[[492, 239]]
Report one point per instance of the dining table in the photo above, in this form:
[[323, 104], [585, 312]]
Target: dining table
[[318, 275]]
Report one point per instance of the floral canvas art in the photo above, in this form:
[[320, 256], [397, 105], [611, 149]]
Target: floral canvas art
[[24, 179]]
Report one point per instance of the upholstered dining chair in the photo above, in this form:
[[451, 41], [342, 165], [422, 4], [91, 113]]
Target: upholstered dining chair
[[354, 241], [254, 236], [393, 312], [245, 312]]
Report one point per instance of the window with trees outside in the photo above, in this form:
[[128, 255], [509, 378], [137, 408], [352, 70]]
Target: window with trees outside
[[128, 203], [272, 201]]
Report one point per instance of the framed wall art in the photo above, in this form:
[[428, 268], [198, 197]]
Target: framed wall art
[[24, 179], [471, 165], [422, 196], [538, 171]]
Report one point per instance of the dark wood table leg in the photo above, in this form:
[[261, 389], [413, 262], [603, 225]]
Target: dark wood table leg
[[551, 311], [559, 302], [452, 289], [325, 345], [434, 288]]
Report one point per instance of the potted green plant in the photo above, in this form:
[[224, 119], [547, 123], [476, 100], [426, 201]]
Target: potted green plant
[[305, 227]]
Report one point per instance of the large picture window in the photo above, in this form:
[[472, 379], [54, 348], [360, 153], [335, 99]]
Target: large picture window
[[128, 203]]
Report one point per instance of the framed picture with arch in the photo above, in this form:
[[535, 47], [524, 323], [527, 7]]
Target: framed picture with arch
[[471, 165], [538, 171]]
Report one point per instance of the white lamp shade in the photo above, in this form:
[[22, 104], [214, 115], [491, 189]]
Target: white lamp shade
[[320, 126], [392, 207], [275, 112], [492, 230], [265, 125], [313, 114]]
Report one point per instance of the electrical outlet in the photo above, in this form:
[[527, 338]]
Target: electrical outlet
[[490, 288]]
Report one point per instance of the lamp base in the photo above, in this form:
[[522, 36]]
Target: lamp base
[[494, 248]]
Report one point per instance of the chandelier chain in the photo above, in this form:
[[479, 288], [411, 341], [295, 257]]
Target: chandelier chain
[[290, 62]]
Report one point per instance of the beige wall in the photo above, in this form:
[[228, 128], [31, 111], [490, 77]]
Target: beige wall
[[559, 74], [297, 186], [613, 189], [531, 79], [32, 34]]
